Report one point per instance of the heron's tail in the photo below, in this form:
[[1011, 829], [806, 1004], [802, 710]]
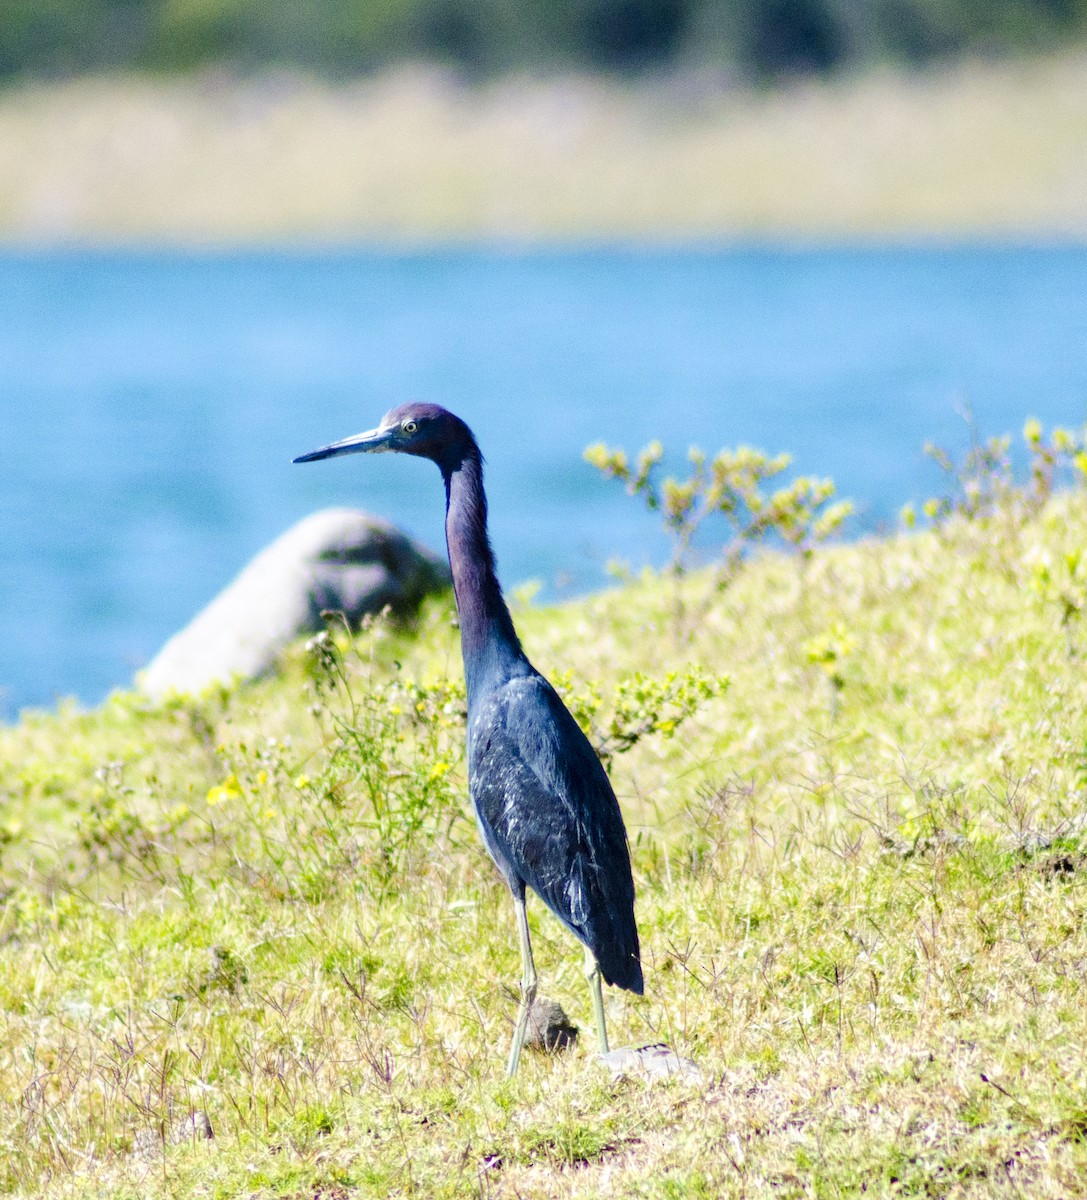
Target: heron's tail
[[621, 966]]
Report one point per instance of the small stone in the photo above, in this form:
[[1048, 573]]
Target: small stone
[[549, 1028], [196, 1127], [147, 1144], [655, 1062]]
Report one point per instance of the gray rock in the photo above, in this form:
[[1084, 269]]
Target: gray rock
[[194, 1127], [655, 1062], [338, 559], [549, 1028]]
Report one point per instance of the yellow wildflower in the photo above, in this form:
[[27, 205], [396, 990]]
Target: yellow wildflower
[[229, 789]]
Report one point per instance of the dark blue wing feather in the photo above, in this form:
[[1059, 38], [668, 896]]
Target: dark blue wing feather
[[550, 819]]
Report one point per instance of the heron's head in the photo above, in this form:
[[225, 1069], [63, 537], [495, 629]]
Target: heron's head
[[425, 430]]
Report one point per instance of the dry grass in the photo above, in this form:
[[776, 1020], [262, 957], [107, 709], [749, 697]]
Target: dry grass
[[412, 156]]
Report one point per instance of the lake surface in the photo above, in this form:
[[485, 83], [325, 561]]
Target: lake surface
[[152, 404]]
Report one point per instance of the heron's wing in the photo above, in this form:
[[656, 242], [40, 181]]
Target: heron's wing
[[549, 817]]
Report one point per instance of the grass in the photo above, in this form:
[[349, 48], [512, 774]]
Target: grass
[[861, 904], [413, 156]]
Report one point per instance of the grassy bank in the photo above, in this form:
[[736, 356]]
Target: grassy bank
[[978, 150], [861, 879]]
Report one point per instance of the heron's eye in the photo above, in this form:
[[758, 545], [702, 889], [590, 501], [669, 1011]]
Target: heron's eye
[[410, 426]]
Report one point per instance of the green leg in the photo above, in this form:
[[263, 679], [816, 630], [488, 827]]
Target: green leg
[[592, 973], [528, 986]]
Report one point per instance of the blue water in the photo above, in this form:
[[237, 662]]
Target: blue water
[[152, 403]]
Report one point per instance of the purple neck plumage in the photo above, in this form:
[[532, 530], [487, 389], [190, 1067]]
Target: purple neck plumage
[[489, 643]]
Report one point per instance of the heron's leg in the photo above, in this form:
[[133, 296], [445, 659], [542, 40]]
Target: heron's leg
[[592, 973], [528, 984]]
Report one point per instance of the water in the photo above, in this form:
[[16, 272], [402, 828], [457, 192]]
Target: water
[[152, 403]]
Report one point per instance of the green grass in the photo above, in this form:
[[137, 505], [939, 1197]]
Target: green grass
[[414, 157], [861, 906]]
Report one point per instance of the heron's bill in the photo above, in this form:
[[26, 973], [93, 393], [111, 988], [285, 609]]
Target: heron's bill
[[373, 441]]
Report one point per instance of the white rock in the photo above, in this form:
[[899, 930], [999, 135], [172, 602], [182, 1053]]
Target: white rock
[[655, 1062], [338, 559]]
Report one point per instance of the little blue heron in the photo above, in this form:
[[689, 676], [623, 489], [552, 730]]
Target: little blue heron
[[545, 808]]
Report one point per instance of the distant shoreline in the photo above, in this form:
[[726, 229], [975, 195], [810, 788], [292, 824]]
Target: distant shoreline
[[299, 248], [412, 159]]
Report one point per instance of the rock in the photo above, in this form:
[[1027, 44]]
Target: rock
[[655, 1062], [549, 1028], [196, 1127], [338, 559]]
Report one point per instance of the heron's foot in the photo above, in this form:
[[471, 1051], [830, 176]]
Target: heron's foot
[[592, 974], [528, 996]]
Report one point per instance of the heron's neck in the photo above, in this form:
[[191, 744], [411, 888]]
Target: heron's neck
[[489, 643]]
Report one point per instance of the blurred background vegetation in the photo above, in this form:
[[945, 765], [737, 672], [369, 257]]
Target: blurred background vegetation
[[755, 39]]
